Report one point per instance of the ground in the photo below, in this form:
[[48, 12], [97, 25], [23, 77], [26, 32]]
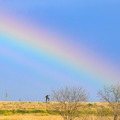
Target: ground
[[40, 111]]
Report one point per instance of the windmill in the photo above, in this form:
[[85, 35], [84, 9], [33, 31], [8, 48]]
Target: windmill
[[6, 97]]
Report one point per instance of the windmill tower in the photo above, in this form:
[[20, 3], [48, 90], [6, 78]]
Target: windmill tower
[[6, 97]]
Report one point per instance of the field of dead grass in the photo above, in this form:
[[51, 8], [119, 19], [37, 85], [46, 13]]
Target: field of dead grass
[[22, 105], [36, 105], [31, 117], [11, 106], [49, 117]]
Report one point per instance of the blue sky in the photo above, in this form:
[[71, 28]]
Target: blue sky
[[93, 23], [98, 20]]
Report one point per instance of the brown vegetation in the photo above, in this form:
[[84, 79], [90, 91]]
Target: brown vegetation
[[90, 111]]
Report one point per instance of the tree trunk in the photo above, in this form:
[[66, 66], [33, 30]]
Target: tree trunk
[[115, 117]]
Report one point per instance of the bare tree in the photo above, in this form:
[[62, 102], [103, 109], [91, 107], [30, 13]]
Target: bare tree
[[68, 101], [111, 94]]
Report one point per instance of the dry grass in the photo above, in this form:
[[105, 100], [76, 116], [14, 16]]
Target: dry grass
[[22, 105], [30, 117], [41, 106], [35, 105], [50, 117]]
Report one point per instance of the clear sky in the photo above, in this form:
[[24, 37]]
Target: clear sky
[[77, 43]]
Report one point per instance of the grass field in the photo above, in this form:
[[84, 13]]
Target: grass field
[[36, 105], [30, 117], [49, 117], [40, 111]]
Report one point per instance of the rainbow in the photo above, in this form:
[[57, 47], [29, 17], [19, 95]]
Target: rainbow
[[58, 48]]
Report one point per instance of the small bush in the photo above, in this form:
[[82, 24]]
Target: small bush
[[90, 105]]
